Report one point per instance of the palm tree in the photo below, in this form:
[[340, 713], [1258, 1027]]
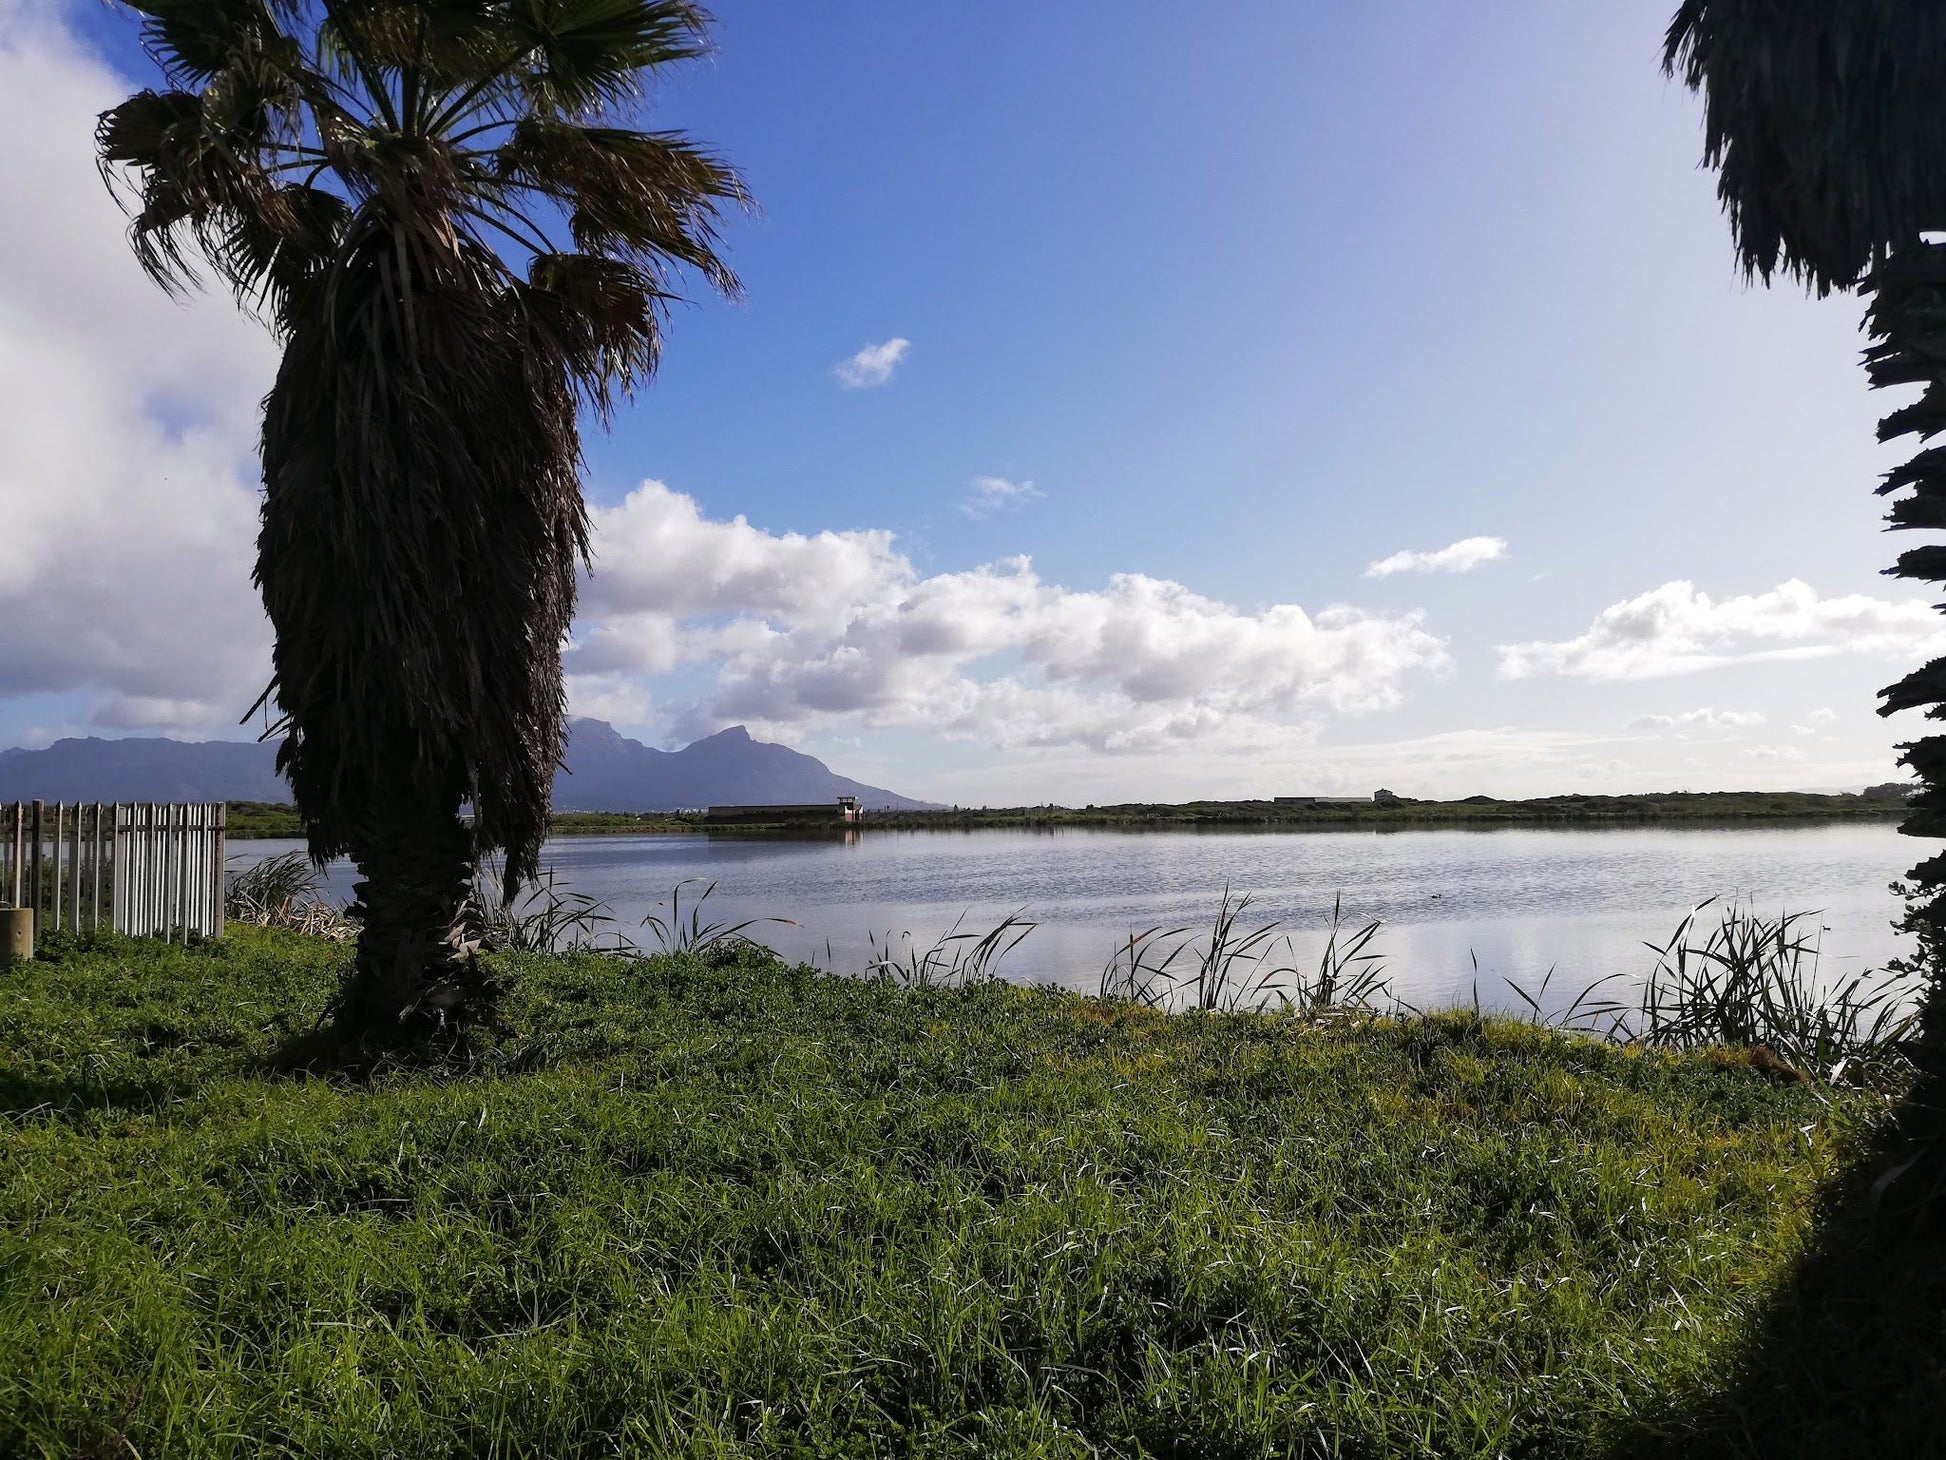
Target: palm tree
[[441, 209], [1826, 123]]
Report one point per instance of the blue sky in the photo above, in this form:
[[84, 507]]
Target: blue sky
[[1253, 298]]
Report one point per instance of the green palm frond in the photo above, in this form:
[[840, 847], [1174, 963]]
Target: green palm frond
[[649, 197]]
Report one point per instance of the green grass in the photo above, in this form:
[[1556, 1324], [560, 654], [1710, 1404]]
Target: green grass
[[714, 1205]]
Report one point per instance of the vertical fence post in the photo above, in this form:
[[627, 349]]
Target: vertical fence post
[[56, 894], [147, 920], [34, 875], [165, 883], [74, 872], [94, 896], [222, 861], [150, 884], [199, 871], [180, 880], [124, 864], [138, 846], [135, 869], [181, 888]]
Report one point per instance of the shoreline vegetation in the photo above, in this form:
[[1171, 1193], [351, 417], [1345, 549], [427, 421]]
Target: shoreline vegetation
[[1727, 977], [257, 819], [704, 1201]]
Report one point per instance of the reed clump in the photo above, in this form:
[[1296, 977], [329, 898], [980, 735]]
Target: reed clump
[[1747, 980], [285, 892]]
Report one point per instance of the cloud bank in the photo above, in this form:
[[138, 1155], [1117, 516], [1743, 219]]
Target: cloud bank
[[127, 480], [807, 631], [1679, 629], [1461, 557], [1704, 719]]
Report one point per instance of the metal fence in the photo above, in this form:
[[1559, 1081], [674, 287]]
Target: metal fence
[[146, 868]]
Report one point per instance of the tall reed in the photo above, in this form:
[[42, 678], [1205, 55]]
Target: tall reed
[[1238, 967], [1748, 980], [545, 918], [696, 933], [958, 957], [1755, 980]]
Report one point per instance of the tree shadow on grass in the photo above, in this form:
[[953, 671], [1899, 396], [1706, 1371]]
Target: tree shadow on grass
[[89, 1088], [1847, 1360]]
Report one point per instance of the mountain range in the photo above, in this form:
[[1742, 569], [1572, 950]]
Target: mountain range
[[604, 771]]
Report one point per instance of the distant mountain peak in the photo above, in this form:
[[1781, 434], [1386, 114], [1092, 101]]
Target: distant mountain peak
[[610, 772], [587, 728], [604, 771]]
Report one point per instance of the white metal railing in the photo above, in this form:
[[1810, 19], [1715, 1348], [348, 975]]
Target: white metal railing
[[152, 869]]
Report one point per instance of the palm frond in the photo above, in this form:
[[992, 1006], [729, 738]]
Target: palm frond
[[581, 57], [647, 196], [1824, 122]]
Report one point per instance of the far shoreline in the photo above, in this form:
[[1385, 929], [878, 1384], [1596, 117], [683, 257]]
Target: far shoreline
[[256, 820]]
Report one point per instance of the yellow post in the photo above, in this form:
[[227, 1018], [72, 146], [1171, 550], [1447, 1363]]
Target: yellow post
[[16, 936]]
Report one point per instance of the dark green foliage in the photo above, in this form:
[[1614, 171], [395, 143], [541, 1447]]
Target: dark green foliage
[[715, 1205], [247, 820], [441, 209]]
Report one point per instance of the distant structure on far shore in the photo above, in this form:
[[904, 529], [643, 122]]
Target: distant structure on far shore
[[1381, 796], [841, 812]]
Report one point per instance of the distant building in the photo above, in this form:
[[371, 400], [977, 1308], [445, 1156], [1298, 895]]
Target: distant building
[[842, 812]]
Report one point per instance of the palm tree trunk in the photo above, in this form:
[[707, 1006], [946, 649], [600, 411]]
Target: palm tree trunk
[[416, 957]]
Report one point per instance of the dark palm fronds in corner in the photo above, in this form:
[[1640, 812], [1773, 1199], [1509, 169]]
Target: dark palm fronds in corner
[[1826, 124]]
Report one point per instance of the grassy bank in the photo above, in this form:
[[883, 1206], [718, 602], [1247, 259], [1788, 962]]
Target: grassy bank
[[254, 820], [719, 1206]]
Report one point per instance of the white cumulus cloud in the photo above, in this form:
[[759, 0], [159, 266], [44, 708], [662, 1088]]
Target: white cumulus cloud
[[128, 502], [1679, 629], [872, 365], [1461, 557], [988, 495], [807, 631]]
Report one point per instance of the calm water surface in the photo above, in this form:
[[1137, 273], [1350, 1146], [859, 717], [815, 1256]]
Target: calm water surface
[[1522, 901]]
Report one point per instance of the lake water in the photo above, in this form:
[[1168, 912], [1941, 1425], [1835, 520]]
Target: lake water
[[1520, 901]]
